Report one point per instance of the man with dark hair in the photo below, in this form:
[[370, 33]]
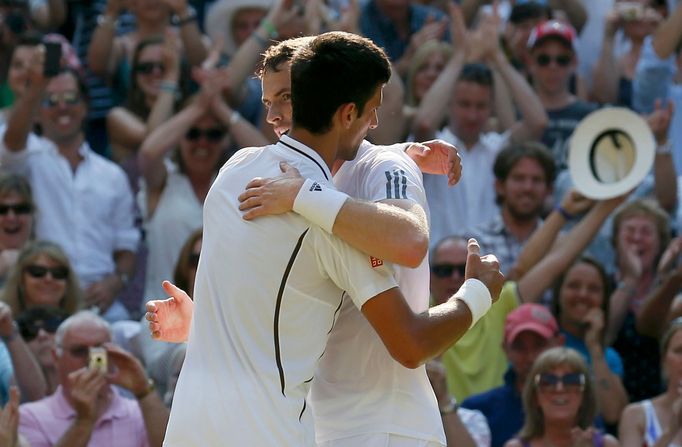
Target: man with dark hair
[[277, 307], [524, 175], [466, 91], [85, 200]]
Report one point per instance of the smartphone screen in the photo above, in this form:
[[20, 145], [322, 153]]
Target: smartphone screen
[[53, 59]]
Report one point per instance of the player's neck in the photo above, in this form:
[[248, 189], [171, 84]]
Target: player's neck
[[325, 144]]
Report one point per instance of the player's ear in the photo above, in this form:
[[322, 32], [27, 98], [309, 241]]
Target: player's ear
[[347, 113]]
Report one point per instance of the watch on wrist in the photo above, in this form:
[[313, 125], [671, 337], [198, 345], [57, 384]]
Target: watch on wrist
[[449, 407], [190, 15], [147, 391]]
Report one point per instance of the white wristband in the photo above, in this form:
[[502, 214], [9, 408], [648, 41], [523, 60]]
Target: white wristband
[[319, 204], [477, 298]]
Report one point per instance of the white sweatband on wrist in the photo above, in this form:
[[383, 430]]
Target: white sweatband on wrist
[[319, 204], [477, 298]]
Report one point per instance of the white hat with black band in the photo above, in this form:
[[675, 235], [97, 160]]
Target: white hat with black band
[[610, 153]]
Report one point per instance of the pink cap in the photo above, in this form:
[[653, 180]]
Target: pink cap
[[530, 317], [552, 28]]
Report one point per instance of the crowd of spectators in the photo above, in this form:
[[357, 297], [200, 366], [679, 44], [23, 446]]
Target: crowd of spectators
[[105, 164]]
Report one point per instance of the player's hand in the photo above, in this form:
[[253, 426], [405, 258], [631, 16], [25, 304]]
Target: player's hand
[[169, 319], [269, 196], [484, 268], [437, 157]]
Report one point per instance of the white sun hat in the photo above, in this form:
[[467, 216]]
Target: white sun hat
[[610, 153], [218, 20]]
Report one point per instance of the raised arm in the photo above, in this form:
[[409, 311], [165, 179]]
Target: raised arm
[[669, 33], [128, 130], [105, 50], [572, 204], [533, 116], [541, 276], [392, 117], [27, 372], [162, 140], [665, 177], [433, 105], [654, 313], [606, 72], [20, 122], [195, 46]]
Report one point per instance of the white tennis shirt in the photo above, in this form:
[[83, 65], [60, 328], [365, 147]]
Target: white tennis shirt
[[267, 295], [359, 388]]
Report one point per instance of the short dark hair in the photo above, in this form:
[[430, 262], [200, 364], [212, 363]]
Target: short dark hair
[[336, 68], [508, 157], [280, 53], [476, 73], [80, 82]]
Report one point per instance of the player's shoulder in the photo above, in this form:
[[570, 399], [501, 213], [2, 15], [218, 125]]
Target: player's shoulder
[[386, 156]]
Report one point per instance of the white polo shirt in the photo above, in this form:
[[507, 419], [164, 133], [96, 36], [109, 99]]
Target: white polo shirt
[[88, 212], [472, 202], [267, 295], [359, 388]]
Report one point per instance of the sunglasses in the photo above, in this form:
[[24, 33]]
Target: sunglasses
[[446, 270], [39, 271], [213, 135], [68, 98], [562, 60], [149, 67], [570, 382], [29, 329], [18, 209], [193, 260]]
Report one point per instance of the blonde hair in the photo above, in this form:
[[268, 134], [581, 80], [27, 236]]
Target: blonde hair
[[420, 56], [534, 425], [14, 295]]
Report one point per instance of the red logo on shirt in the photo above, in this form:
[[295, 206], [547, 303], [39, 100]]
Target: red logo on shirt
[[376, 262]]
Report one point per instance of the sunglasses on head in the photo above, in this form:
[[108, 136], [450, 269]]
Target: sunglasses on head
[[40, 271], [446, 270], [68, 98], [569, 382], [18, 208], [214, 134], [149, 67], [562, 60], [29, 328]]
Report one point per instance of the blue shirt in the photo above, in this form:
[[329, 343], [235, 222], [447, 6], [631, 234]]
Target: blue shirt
[[613, 360], [502, 407], [6, 372], [376, 26], [654, 80]]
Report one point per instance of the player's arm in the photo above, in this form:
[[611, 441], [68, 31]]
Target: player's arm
[[394, 230], [411, 338]]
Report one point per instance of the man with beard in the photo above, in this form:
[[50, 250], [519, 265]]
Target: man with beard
[[524, 174]]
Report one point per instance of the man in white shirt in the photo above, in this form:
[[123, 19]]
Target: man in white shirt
[[368, 385], [466, 93], [85, 202]]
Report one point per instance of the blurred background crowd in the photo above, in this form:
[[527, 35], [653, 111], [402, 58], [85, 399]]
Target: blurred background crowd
[[105, 164]]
